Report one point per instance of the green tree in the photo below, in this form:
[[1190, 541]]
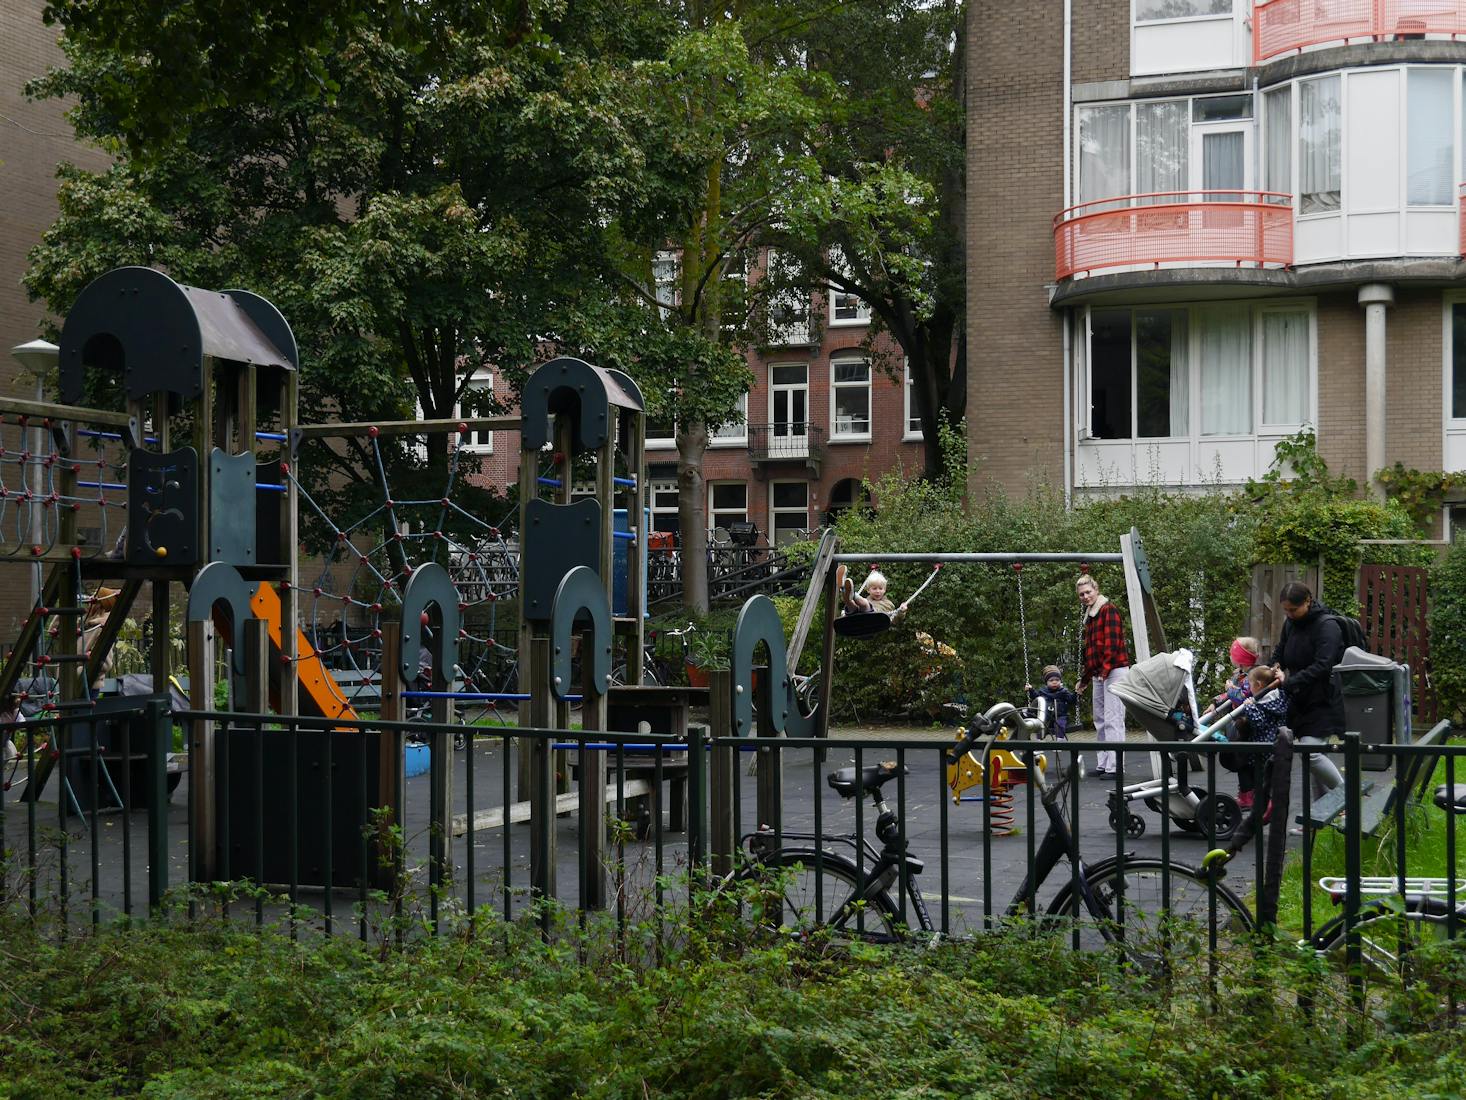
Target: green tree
[[877, 210], [422, 189]]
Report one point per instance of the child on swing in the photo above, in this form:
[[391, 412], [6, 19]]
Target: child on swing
[[874, 598], [1061, 700]]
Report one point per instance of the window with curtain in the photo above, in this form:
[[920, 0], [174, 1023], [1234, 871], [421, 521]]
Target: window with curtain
[[1162, 140], [1151, 11], [850, 380], [1285, 369], [1162, 374], [736, 430], [1319, 124], [1278, 117], [1225, 369], [1431, 148], [1104, 152]]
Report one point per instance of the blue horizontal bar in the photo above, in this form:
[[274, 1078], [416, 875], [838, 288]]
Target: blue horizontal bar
[[552, 482], [629, 536], [265, 485], [100, 485], [279, 437]]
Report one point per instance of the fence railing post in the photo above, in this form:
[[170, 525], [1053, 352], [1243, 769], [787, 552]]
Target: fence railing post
[[723, 812], [697, 804], [1352, 865], [159, 734]]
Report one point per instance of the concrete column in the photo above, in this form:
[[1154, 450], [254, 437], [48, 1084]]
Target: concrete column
[[1375, 298]]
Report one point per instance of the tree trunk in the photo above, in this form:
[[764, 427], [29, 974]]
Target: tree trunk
[[692, 444]]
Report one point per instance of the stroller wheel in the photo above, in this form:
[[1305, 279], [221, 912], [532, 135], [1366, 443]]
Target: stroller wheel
[[1218, 814], [1132, 825]]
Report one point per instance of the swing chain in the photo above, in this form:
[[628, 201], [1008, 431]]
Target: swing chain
[[1022, 623]]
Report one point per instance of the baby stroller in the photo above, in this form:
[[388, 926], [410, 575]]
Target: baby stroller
[[1159, 694]]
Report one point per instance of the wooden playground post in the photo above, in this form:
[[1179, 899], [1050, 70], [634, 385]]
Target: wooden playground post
[[724, 812], [201, 761], [391, 772]]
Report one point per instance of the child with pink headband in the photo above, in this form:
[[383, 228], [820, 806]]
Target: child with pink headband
[[1244, 654]]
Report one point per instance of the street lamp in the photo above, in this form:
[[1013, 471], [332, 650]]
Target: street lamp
[[38, 357]]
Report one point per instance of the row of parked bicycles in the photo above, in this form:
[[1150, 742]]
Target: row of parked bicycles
[[846, 886]]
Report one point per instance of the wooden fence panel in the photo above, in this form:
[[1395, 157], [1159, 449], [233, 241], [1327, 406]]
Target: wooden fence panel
[[1265, 618], [1394, 601]]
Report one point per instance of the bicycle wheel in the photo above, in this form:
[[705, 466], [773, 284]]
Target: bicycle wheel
[[806, 898], [1390, 939], [1167, 910]]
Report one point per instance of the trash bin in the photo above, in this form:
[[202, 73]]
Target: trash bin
[[1376, 694]]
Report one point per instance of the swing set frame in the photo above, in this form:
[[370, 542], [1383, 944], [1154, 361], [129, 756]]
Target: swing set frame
[[1145, 624]]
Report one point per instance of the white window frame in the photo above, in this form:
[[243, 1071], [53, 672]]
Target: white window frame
[[714, 513], [909, 434], [663, 485], [479, 380], [773, 527], [734, 434], [1451, 426], [1193, 143], [661, 444], [837, 436], [842, 299], [1136, 21], [1194, 433], [666, 291], [797, 332], [783, 387]]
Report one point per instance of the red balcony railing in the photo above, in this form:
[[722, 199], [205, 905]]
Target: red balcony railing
[[1245, 228], [1285, 26]]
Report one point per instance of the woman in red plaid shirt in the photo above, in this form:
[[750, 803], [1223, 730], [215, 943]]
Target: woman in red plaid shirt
[[1106, 662]]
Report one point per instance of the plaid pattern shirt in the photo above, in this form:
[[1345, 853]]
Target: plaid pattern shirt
[[1104, 642]]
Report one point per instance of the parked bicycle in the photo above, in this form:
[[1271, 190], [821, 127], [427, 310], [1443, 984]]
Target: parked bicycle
[[1392, 927], [1133, 901], [656, 671]]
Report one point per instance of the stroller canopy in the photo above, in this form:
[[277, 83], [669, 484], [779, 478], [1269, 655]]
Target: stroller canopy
[[1155, 685]]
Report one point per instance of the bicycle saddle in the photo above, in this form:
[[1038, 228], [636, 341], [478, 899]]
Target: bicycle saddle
[[843, 781], [1441, 799]]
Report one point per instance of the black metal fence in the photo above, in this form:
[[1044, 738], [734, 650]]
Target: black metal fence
[[300, 834]]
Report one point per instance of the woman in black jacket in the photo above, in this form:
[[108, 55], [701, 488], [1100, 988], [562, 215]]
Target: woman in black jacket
[[1308, 648]]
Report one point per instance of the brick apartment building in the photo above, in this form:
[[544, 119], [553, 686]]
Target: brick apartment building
[[1196, 226], [820, 418]]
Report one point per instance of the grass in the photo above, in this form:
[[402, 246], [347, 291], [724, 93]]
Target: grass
[[1426, 830]]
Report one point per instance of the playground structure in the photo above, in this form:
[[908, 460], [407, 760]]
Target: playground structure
[[412, 583]]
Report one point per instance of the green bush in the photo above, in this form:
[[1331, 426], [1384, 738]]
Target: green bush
[[1448, 631], [178, 1013]]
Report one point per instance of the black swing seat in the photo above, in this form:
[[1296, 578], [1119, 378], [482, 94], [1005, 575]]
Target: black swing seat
[[862, 624], [843, 781], [1442, 798]]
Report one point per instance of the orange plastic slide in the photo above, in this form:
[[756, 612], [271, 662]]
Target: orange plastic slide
[[319, 686]]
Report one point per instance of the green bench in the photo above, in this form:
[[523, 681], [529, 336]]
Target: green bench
[[1378, 795]]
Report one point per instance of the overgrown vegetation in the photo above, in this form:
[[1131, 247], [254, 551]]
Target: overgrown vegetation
[[172, 1012], [1448, 632]]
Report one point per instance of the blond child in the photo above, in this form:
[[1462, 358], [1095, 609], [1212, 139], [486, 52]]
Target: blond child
[[874, 597]]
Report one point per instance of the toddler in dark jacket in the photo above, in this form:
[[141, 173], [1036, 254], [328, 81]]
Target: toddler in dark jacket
[[1061, 700]]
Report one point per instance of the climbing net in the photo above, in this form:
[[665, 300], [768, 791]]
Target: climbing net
[[33, 496], [374, 556]]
